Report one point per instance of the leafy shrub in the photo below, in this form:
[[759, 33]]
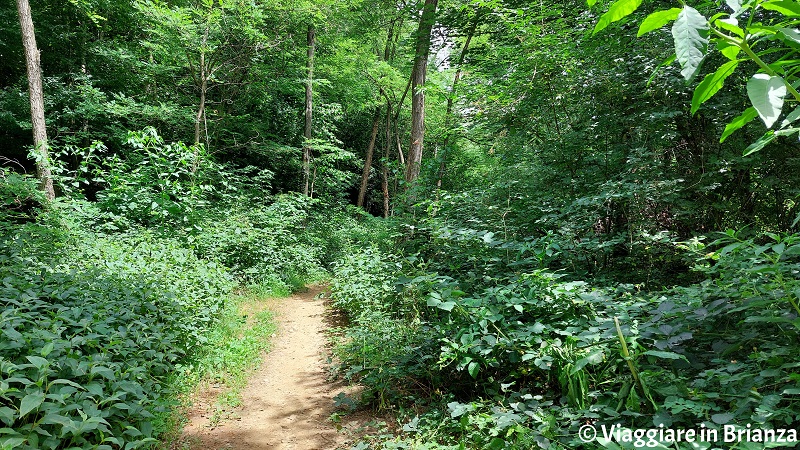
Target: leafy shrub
[[91, 327], [364, 282], [20, 197], [385, 346], [155, 183], [524, 358], [260, 244]]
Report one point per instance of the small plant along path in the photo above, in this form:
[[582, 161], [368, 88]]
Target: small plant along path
[[289, 399]]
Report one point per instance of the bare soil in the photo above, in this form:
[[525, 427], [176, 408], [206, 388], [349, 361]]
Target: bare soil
[[288, 402]]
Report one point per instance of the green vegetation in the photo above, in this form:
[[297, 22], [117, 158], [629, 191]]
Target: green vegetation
[[233, 351], [565, 214]]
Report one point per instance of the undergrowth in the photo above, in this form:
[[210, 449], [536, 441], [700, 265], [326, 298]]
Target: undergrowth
[[471, 342], [112, 309]]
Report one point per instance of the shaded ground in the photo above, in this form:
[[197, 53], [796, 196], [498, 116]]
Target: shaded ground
[[289, 401]]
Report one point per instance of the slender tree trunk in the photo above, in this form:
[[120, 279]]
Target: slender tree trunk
[[201, 109], [362, 192], [450, 100], [311, 41], [397, 119], [385, 171], [36, 94], [426, 22], [203, 85]]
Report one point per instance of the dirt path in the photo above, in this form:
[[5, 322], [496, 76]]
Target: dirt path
[[289, 400]]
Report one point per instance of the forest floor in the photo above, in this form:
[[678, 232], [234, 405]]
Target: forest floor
[[289, 401]]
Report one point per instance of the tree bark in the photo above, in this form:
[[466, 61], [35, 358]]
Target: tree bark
[[203, 85], [362, 192], [385, 168], [426, 22], [450, 101], [36, 94], [311, 41]]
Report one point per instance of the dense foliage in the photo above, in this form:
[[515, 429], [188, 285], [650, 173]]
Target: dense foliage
[[601, 232], [510, 355], [101, 313]]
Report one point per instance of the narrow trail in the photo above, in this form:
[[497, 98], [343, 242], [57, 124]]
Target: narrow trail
[[289, 399]]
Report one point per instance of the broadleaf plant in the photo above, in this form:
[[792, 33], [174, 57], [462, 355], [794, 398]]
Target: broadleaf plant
[[764, 32]]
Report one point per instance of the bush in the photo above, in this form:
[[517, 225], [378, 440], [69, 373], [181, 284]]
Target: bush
[[91, 327], [505, 358], [262, 244], [20, 197]]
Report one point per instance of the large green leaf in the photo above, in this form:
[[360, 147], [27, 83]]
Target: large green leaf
[[30, 402], [743, 119], [657, 20], [789, 35], [791, 117], [690, 32], [786, 7], [617, 11], [762, 142], [712, 83], [728, 50], [766, 93], [730, 24], [665, 355]]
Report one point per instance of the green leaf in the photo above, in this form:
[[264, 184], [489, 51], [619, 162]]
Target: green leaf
[[496, 444], [30, 402], [731, 25], [47, 349], [690, 33], [722, 419], [68, 382], [591, 2], [711, 84], [104, 372], [743, 119], [791, 117], [657, 20], [760, 143], [728, 50], [447, 306], [766, 93], [789, 35], [786, 7], [473, 368], [593, 358], [37, 361], [56, 419], [665, 355], [7, 415], [11, 442], [617, 11]]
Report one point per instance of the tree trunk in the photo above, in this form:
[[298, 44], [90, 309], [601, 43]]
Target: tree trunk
[[311, 41], [450, 100], [203, 85], [385, 171], [36, 98], [201, 108], [368, 160], [426, 22]]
